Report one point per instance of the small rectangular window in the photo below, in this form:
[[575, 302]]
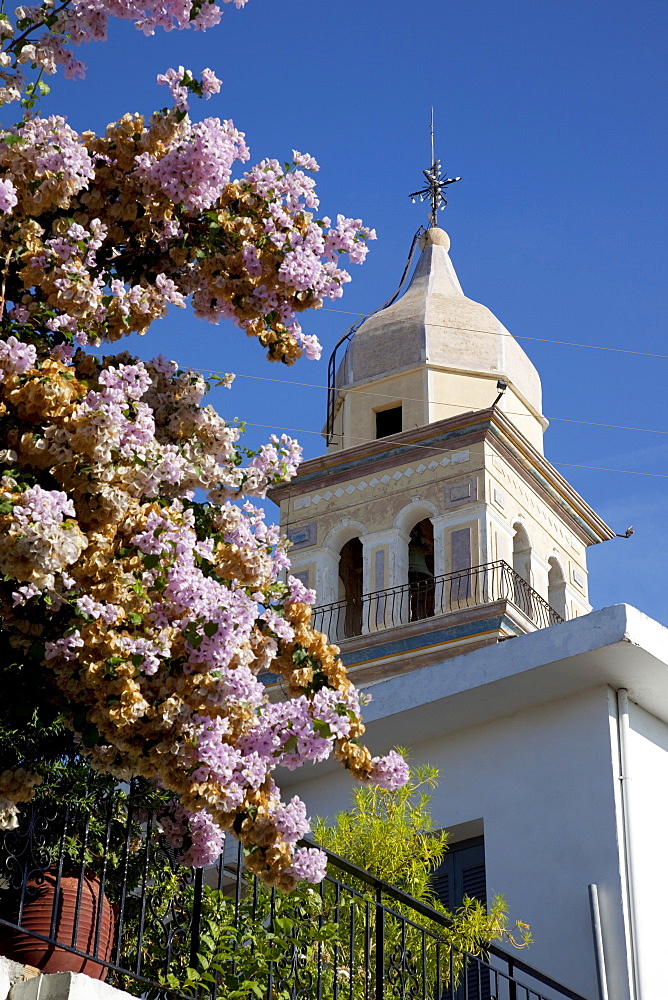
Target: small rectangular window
[[388, 422]]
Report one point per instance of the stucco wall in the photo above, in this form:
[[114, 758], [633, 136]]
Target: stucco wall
[[646, 784], [543, 784]]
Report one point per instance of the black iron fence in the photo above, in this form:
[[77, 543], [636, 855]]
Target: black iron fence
[[94, 887], [441, 595]]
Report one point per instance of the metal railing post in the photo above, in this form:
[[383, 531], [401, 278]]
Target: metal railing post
[[196, 921], [380, 944], [465, 588]]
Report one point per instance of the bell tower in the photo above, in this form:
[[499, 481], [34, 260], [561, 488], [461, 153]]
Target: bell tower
[[434, 524]]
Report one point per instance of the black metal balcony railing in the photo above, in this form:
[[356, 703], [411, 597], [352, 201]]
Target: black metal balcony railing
[[442, 595], [353, 938]]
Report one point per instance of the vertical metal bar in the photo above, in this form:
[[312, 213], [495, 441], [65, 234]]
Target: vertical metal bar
[[124, 873], [196, 920], [237, 886], [512, 985], [351, 956], [103, 875], [321, 920], [270, 975], [256, 894], [220, 879], [367, 949], [452, 972], [424, 964], [59, 873], [144, 884], [380, 944], [81, 879], [337, 922]]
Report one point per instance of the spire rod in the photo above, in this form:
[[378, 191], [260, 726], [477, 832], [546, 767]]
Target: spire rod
[[436, 184], [433, 154]]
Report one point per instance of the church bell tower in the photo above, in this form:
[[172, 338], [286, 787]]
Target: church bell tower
[[434, 524]]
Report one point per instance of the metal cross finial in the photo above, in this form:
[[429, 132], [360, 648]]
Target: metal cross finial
[[436, 183]]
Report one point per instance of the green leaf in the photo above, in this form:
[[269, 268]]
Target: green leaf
[[210, 629], [90, 736]]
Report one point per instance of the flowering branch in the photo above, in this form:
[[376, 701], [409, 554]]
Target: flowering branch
[[149, 617]]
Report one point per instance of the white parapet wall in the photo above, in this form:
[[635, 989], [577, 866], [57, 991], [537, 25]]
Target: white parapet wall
[[10, 973], [20, 982]]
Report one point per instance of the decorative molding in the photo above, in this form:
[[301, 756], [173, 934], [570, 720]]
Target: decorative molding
[[533, 503], [462, 491], [499, 498], [303, 536], [411, 472]]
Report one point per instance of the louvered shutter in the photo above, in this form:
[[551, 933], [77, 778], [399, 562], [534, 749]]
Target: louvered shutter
[[441, 885], [462, 873], [473, 880]]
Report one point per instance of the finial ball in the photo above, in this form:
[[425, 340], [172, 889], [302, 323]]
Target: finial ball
[[435, 237]]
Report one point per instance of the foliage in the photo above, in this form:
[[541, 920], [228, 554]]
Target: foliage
[[324, 941], [246, 945], [141, 591], [391, 834]]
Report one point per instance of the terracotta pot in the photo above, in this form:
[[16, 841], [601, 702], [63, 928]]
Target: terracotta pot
[[37, 911]]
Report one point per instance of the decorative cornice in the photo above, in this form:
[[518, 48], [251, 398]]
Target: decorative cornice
[[430, 440]]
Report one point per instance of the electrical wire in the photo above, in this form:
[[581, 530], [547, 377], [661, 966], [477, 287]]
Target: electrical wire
[[434, 448], [539, 340], [303, 430], [415, 399]]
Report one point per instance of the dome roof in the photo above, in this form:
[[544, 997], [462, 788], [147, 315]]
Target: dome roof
[[434, 323]]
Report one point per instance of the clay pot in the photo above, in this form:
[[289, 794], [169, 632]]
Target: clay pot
[[37, 911]]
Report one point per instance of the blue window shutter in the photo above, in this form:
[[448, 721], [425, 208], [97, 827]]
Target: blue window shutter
[[462, 873]]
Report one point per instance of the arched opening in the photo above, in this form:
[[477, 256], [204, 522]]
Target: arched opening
[[522, 566], [556, 587], [350, 586], [522, 553], [421, 570]]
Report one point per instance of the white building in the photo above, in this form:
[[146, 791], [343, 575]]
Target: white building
[[434, 528]]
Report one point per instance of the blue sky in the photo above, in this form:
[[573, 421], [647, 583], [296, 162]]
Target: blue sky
[[554, 115]]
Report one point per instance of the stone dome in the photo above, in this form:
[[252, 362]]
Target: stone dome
[[435, 324]]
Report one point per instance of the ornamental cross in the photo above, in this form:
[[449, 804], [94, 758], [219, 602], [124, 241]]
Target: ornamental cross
[[436, 184]]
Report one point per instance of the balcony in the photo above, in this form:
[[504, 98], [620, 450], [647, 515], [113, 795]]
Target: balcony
[[95, 888], [476, 587]]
